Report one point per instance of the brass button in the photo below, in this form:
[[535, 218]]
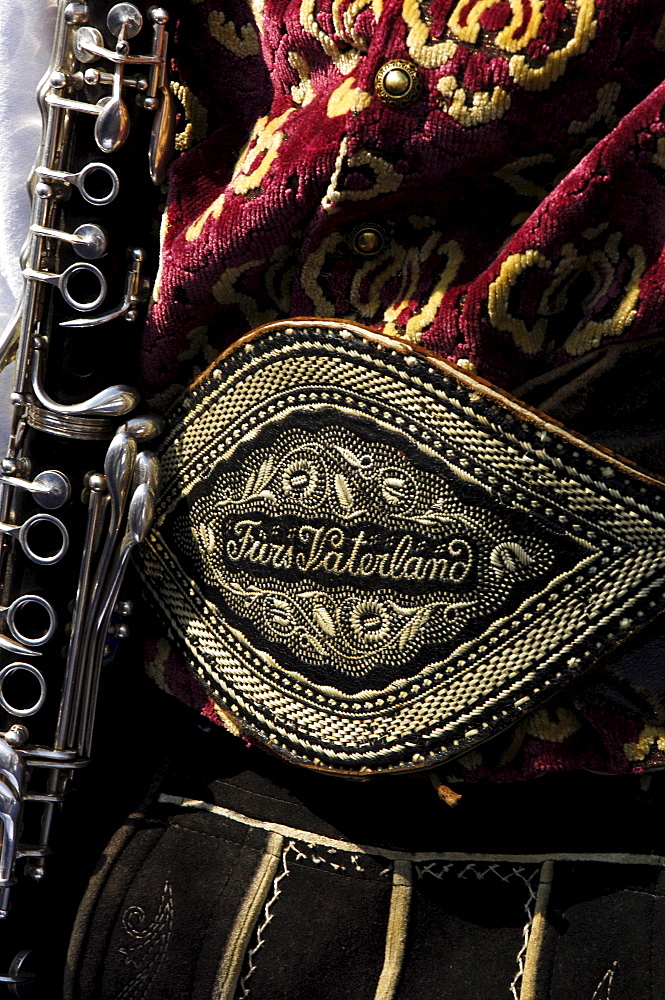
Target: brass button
[[367, 241], [398, 82]]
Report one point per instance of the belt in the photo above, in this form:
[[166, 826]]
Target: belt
[[375, 561]]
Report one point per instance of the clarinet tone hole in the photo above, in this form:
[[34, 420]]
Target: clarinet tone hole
[[83, 287], [98, 183], [22, 689], [44, 539], [31, 620]]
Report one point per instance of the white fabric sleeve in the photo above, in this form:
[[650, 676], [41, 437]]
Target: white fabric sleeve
[[26, 38]]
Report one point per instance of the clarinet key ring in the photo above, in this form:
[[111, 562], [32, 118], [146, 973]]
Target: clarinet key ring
[[24, 531], [9, 614]]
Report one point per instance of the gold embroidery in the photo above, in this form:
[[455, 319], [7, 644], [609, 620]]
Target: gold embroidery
[[164, 226], [344, 61], [406, 294], [311, 272], [422, 221], [213, 211], [396, 267], [521, 29], [367, 303], [607, 97], [472, 108], [303, 92], [280, 275], [592, 333], [225, 292], [252, 167], [258, 8], [485, 106], [344, 20], [528, 340], [593, 231], [600, 264], [199, 344], [513, 175], [386, 178], [544, 727], [347, 98], [155, 667], [426, 316], [541, 77], [659, 38], [242, 41], [659, 155], [422, 50], [651, 738], [195, 115], [332, 195]]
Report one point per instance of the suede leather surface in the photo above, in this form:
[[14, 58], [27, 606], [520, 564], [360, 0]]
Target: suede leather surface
[[328, 908]]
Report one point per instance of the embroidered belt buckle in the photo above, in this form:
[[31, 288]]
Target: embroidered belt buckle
[[374, 561]]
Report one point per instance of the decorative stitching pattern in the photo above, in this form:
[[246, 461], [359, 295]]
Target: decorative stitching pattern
[[423, 857], [246, 918], [334, 477], [330, 859], [149, 942], [527, 876], [500, 555], [243, 986], [604, 987]]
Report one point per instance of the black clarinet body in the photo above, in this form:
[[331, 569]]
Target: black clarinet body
[[77, 484]]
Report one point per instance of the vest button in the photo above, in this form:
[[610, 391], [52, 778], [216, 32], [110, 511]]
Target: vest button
[[398, 82], [367, 241]]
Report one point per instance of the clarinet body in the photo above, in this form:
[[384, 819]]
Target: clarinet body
[[77, 484]]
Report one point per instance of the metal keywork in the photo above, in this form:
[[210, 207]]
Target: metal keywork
[[83, 178], [88, 240], [50, 489], [114, 401], [61, 575], [26, 668], [17, 976], [23, 531], [62, 281], [135, 293], [112, 126], [9, 614]]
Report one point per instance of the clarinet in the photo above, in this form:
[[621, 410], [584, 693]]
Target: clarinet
[[77, 484]]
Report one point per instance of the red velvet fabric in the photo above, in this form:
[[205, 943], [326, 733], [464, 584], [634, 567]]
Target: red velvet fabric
[[521, 197]]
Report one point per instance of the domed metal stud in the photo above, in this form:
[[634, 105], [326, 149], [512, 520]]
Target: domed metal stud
[[367, 240], [398, 82]]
